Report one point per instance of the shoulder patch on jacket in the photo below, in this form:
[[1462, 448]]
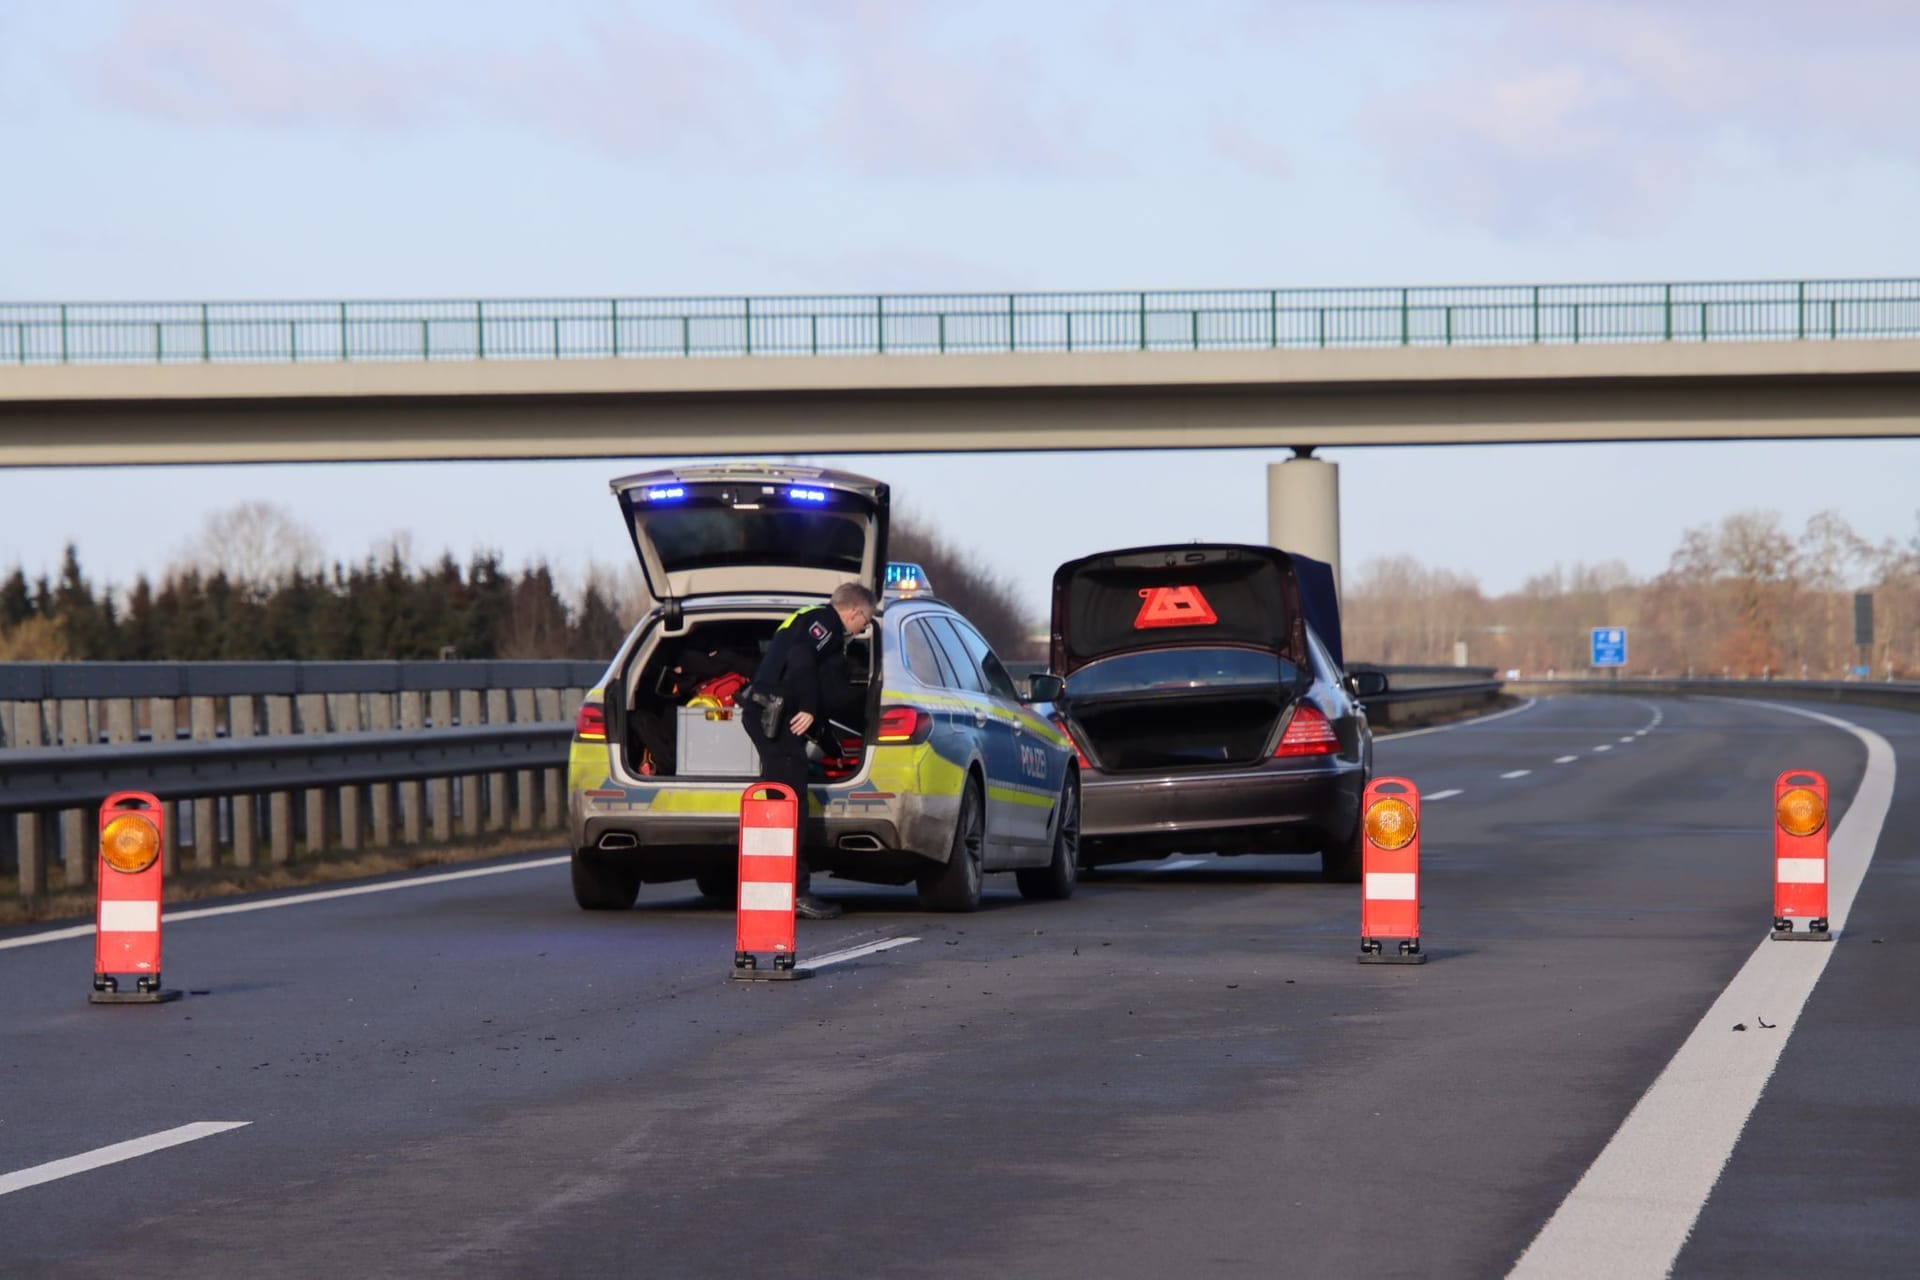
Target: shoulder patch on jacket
[[818, 631]]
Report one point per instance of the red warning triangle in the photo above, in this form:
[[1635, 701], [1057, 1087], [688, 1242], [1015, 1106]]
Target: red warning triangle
[[1174, 607]]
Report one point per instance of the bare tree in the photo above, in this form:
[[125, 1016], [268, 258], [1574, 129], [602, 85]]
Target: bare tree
[[257, 545]]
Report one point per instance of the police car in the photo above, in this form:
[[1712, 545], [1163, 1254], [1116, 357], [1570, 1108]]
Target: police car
[[934, 772]]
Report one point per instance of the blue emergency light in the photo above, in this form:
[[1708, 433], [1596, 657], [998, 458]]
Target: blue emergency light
[[904, 578], [666, 494], [807, 495]]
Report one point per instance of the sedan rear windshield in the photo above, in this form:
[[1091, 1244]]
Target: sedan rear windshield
[[1167, 670]]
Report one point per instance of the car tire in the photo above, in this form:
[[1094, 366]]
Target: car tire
[[955, 884], [601, 884], [1057, 879], [1340, 864], [720, 885]]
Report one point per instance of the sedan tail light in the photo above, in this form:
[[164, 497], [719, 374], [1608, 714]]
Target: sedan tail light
[[903, 725], [591, 724], [1060, 723], [1308, 734]]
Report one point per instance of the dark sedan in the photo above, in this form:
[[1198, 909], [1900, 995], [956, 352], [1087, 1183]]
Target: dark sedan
[[1203, 688]]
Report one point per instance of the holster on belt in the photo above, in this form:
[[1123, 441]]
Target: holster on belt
[[769, 704]]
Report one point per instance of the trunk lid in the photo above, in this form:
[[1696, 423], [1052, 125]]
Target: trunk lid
[[749, 529], [1216, 595]]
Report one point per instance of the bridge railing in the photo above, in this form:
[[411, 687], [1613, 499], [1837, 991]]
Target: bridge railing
[[882, 324], [258, 759]]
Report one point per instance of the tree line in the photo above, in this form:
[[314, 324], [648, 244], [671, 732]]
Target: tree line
[[252, 589], [1745, 597]]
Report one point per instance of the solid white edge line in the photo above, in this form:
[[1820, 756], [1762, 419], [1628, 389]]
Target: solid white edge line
[[1457, 724], [298, 899], [854, 953], [54, 1170], [1443, 795], [1632, 1211]]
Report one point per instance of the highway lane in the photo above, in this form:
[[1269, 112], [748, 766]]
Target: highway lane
[[1178, 1071]]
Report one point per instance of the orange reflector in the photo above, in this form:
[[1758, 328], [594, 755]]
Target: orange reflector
[[1390, 823], [130, 843], [1800, 812]]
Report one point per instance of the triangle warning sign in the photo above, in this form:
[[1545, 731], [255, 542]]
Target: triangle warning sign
[[1173, 607]]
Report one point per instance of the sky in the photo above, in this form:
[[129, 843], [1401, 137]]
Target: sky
[[283, 149]]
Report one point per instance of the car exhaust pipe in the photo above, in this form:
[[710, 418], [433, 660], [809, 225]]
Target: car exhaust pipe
[[619, 840], [860, 844]]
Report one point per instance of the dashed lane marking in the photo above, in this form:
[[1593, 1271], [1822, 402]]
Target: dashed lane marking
[[1442, 795], [854, 953], [1517, 773], [1566, 759], [295, 900], [54, 1170], [1605, 746], [1628, 738]]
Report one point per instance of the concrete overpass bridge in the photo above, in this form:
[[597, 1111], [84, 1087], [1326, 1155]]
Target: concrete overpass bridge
[[117, 384]]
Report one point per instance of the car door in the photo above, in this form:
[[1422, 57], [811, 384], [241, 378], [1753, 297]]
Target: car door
[[1020, 813]]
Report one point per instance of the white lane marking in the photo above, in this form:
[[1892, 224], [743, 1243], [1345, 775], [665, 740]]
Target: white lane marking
[[298, 899], [1605, 746], [1460, 724], [1517, 773], [54, 1170], [854, 953], [1641, 733], [1628, 738], [1443, 795], [1184, 864], [1566, 759], [1633, 1209]]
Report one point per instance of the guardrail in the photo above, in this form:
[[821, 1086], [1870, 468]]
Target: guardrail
[[1899, 695], [871, 324], [380, 753], [1421, 693]]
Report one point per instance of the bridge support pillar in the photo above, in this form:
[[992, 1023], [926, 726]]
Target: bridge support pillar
[[1303, 508]]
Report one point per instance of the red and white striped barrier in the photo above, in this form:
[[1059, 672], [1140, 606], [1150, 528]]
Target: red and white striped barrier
[[769, 864], [1800, 857], [127, 916], [1390, 873]]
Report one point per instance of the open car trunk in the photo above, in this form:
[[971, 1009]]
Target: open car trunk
[[1161, 731], [682, 714]]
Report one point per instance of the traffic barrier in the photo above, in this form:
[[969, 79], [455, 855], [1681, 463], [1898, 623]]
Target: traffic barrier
[[769, 862], [1390, 873], [127, 919], [1800, 857]]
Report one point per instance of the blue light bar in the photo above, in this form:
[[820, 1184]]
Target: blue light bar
[[666, 494], [807, 495], [905, 578]]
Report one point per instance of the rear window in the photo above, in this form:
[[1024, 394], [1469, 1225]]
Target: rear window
[[1136, 601], [1163, 670], [692, 537]]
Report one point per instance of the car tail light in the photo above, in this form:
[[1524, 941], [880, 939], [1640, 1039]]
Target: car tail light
[[899, 724], [591, 724], [1060, 723], [845, 762], [1308, 734]]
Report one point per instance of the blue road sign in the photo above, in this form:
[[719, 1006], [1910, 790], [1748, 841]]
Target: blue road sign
[[1609, 646]]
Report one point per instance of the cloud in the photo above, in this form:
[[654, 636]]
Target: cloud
[[1611, 115]]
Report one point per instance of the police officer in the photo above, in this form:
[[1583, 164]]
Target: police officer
[[803, 669]]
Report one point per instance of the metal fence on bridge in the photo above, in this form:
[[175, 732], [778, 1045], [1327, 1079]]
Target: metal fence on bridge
[[1149, 320]]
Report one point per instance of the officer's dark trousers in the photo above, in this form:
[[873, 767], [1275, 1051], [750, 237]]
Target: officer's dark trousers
[[784, 760]]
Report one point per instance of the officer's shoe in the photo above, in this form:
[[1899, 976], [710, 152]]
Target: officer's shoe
[[808, 907]]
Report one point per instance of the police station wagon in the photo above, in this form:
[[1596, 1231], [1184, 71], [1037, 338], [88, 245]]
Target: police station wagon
[[934, 772]]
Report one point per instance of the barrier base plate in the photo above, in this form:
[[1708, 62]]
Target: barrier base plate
[[1808, 935], [134, 997], [769, 975], [1404, 953]]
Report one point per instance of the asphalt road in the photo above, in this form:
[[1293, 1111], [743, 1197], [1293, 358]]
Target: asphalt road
[[1181, 1071]]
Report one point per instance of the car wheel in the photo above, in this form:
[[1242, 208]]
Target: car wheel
[[1340, 864], [720, 885], [955, 885], [601, 884], [1057, 879]]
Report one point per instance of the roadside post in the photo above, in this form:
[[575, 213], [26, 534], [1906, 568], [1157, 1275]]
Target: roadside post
[[127, 917], [769, 861], [1800, 857], [1390, 873]]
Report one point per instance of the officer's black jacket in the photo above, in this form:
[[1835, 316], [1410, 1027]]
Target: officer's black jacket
[[795, 661]]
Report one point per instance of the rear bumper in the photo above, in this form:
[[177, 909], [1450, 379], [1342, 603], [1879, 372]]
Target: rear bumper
[[1277, 806]]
